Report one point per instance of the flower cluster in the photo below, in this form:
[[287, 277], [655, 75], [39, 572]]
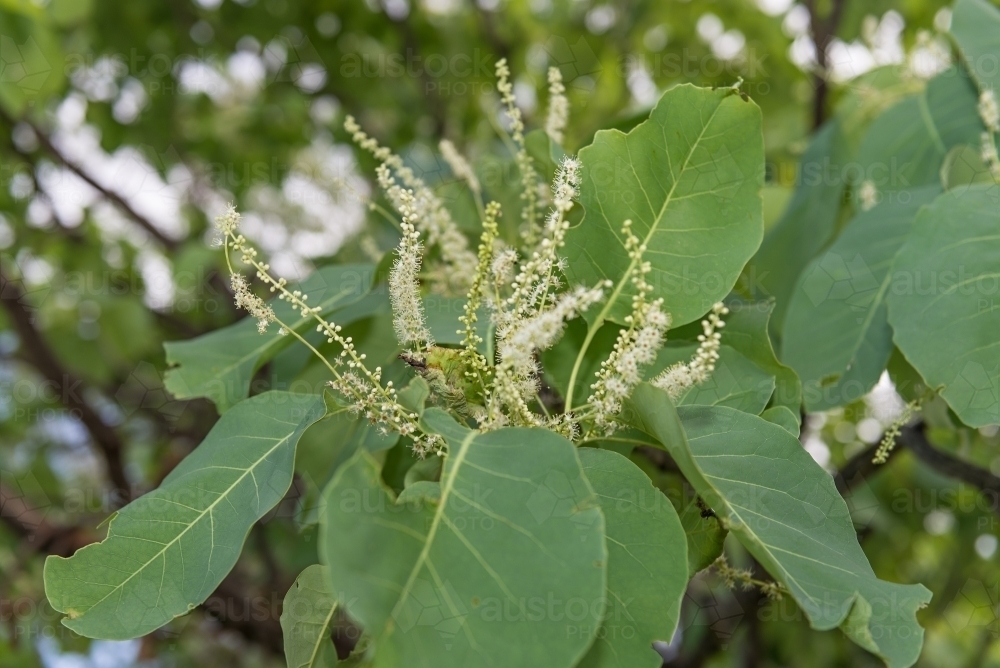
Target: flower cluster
[[538, 278], [477, 365], [516, 374], [731, 577], [251, 303], [532, 317], [888, 443], [637, 344], [558, 117], [426, 213], [360, 386], [989, 110], [529, 177], [680, 377], [404, 283], [460, 167]]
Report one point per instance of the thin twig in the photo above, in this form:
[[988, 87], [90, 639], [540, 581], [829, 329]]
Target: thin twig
[[71, 390], [110, 195]]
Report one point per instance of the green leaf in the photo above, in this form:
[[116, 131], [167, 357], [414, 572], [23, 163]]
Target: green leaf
[[647, 563], [837, 336], [943, 301], [785, 509], [306, 615], [784, 418], [975, 24], [748, 332], [442, 320], [485, 576], [736, 381], [220, 365], [34, 65], [168, 550], [807, 225], [689, 177], [705, 535], [964, 166], [906, 146], [327, 445]]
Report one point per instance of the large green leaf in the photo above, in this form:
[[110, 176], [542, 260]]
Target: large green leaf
[[306, 615], [785, 509], [167, 551], [837, 336], [647, 563], [689, 178], [906, 146], [220, 365], [807, 225], [943, 301], [507, 568], [975, 24]]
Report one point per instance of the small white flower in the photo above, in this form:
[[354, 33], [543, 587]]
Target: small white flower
[[228, 222], [404, 284], [868, 195]]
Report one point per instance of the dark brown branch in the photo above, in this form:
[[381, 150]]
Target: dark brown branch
[[824, 29], [914, 440], [110, 195], [70, 389]]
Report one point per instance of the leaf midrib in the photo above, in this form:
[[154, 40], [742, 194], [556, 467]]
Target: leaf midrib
[[195, 521], [321, 637], [663, 208], [423, 557]]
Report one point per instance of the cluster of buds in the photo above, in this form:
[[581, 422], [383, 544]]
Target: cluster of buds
[[425, 211], [681, 377], [558, 117], [989, 110], [529, 177], [408, 317]]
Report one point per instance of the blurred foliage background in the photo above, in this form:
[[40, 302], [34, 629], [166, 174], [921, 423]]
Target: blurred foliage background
[[125, 127]]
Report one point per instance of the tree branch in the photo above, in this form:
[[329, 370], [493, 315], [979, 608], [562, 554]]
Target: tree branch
[[857, 469], [823, 31], [71, 389], [110, 195], [915, 440]]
